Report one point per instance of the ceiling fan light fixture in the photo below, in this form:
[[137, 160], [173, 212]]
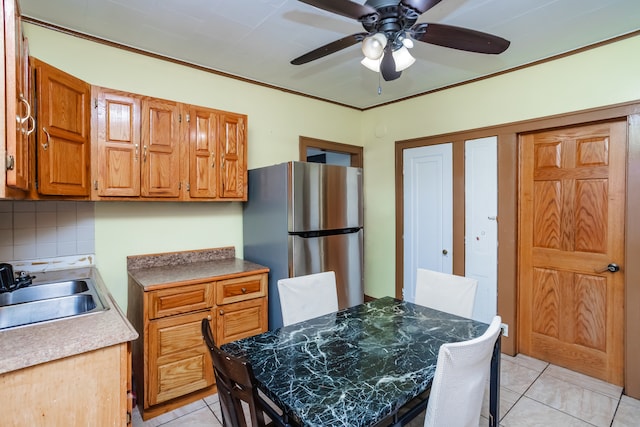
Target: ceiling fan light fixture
[[372, 64], [403, 58], [373, 46]]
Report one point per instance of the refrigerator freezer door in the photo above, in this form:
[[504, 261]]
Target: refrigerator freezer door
[[324, 197], [341, 253]]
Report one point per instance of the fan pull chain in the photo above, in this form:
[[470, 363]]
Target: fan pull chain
[[379, 85]]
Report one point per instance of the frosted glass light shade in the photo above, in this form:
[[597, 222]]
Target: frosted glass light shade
[[373, 46], [403, 58], [372, 64]]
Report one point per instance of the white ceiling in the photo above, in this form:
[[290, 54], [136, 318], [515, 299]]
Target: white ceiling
[[256, 39]]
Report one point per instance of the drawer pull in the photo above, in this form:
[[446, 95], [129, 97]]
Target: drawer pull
[[221, 312], [244, 290]]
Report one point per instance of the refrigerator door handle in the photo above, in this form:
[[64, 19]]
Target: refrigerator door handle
[[322, 233]]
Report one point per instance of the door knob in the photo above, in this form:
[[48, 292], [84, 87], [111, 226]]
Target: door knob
[[444, 252], [613, 267]]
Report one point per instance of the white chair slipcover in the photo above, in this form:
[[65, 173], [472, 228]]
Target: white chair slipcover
[[460, 379], [306, 297], [446, 292]]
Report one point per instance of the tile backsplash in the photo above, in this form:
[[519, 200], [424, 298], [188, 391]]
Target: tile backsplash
[[45, 229]]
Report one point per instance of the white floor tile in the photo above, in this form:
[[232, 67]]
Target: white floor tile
[[528, 413], [585, 381], [628, 413], [202, 417], [587, 405], [516, 377]]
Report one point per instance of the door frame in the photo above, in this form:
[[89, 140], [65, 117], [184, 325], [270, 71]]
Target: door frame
[[508, 213], [354, 151]]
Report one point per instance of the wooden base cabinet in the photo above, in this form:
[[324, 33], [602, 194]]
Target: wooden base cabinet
[[89, 389], [171, 364]]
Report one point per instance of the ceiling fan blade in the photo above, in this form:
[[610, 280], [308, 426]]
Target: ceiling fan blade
[[343, 7], [329, 48], [420, 5], [388, 65], [459, 38]]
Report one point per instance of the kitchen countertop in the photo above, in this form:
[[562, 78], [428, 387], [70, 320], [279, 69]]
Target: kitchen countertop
[[43, 342], [157, 270]]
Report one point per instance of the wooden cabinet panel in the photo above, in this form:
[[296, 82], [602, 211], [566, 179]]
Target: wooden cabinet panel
[[160, 148], [182, 299], [179, 362], [241, 320], [63, 116], [118, 141], [233, 170], [241, 289], [88, 389], [18, 107], [203, 153]]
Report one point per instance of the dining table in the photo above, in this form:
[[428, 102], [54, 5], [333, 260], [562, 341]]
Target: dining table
[[360, 366]]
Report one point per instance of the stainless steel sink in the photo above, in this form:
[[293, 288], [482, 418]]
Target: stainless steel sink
[[43, 291], [49, 301]]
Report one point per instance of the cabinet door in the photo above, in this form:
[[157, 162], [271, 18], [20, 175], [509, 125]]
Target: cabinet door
[[203, 141], [19, 115], [63, 134], [233, 156], [160, 148], [118, 140], [240, 320], [178, 360]]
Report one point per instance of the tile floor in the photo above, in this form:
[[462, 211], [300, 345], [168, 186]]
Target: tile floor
[[533, 393]]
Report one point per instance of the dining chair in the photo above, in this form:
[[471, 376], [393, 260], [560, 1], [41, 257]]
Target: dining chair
[[306, 297], [462, 372], [446, 292], [236, 384]]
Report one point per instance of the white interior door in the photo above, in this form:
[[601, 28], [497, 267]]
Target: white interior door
[[428, 212], [481, 223]]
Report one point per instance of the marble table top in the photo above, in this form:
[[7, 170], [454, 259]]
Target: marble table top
[[355, 367]]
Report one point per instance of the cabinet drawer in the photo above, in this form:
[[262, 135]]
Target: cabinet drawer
[[241, 320], [182, 299], [179, 361], [241, 289]]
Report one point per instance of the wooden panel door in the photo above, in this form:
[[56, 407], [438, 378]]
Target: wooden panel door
[[572, 200], [178, 360], [203, 152], [118, 140], [233, 156], [63, 137], [160, 148], [19, 115]]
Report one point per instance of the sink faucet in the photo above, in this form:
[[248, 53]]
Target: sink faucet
[[8, 281]]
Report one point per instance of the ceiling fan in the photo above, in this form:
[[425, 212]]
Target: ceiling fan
[[390, 26]]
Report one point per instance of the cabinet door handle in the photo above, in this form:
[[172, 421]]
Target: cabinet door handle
[[213, 159], [244, 290], [26, 117], [46, 144], [144, 153], [136, 151], [32, 127]]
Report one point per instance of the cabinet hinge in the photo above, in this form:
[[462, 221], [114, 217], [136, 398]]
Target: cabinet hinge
[[11, 162], [188, 118], [179, 185], [95, 102], [95, 184], [188, 187], [179, 118]]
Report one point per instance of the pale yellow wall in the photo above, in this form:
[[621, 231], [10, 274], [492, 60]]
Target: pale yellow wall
[[598, 77], [276, 120]]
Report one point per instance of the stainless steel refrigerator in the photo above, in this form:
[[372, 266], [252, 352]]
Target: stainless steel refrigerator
[[303, 218]]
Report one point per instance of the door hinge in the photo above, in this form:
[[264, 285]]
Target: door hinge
[[11, 162]]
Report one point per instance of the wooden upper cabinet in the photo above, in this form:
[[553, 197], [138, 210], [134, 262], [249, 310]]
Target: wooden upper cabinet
[[19, 115], [160, 148], [118, 143], [203, 153], [63, 132], [232, 146]]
